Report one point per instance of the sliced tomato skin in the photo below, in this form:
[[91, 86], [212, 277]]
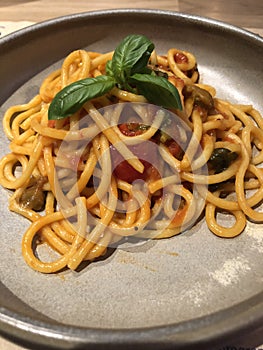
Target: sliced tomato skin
[[131, 129], [180, 58], [147, 154], [124, 171], [174, 149]]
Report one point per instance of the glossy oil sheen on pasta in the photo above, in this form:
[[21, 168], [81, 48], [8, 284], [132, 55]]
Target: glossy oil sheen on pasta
[[122, 167]]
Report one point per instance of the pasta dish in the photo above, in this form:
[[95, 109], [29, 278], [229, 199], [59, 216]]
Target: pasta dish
[[128, 145]]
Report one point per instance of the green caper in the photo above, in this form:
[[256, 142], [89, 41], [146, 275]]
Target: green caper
[[221, 159], [160, 73], [33, 196], [200, 96]]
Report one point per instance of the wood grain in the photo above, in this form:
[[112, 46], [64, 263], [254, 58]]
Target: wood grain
[[242, 13]]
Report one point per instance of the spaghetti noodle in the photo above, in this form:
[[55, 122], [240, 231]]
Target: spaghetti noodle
[[117, 169]]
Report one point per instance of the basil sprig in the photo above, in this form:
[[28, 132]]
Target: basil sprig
[[157, 89], [131, 56], [128, 70], [70, 99]]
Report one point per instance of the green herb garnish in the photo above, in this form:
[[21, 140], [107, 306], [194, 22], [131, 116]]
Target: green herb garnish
[[157, 89], [221, 159], [70, 99], [128, 70]]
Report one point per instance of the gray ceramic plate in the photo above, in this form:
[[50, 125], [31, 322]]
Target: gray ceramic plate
[[191, 291]]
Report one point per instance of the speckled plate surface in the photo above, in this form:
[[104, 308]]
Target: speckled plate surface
[[191, 291]]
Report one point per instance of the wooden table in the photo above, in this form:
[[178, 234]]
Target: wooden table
[[243, 13], [15, 14]]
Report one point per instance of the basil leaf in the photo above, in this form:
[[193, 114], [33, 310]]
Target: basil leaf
[[109, 70], [131, 56], [70, 99], [157, 90]]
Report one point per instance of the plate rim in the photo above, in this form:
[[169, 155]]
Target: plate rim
[[150, 11]]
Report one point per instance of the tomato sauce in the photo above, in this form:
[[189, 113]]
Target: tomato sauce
[[146, 151]]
